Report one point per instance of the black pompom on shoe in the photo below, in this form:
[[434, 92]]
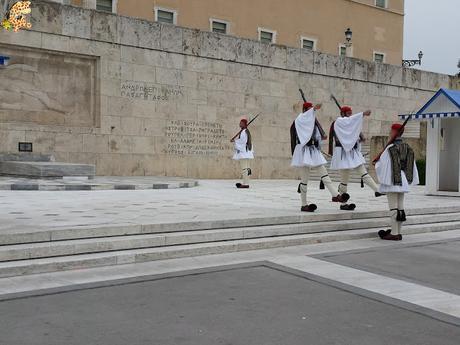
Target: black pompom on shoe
[[383, 233], [378, 194]]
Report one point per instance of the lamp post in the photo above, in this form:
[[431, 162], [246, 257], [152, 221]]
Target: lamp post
[[348, 44], [410, 63]]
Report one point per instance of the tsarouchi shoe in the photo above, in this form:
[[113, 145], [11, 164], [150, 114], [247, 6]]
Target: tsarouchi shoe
[[341, 198], [242, 186], [390, 237], [348, 207], [309, 208]]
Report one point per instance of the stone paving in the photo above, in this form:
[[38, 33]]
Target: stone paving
[[430, 264], [277, 296], [255, 305], [97, 183], [352, 292], [211, 200]]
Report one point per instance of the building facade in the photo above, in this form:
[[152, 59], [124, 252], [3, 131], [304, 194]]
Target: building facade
[[135, 97], [319, 25]]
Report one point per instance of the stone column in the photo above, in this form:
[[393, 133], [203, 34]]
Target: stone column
[[89, 4]]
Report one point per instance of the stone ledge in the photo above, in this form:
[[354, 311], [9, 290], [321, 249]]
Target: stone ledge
[[98, 183], [39, 169]]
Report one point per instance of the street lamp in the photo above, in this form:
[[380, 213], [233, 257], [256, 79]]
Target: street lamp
[[410, 63], [348, 37]]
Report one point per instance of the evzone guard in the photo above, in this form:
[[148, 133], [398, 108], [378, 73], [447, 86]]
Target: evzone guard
[[345, 147], [306, 155], [243, 152], [396, 171]]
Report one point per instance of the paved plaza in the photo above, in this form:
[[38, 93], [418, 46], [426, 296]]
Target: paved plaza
[[360, 292], [430, 264], [289, 299], [212, 200], [252, 305]]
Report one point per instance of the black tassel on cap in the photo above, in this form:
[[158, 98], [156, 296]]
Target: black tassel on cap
[[362, 183]]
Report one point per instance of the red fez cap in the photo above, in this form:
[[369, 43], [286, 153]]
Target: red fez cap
[[244, 120], [307, 105], [345, 109], [397, 127]]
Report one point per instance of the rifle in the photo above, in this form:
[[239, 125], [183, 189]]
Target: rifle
[[361, 136], [237, 134], [320, 128], [392, 139], [336, 102]]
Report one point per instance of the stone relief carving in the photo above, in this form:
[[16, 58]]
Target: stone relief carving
[[47, 88]]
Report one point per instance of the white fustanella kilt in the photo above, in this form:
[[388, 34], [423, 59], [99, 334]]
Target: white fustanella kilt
[[307, 156]]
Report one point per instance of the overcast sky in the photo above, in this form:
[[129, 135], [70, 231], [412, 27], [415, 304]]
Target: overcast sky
[[433, 26]]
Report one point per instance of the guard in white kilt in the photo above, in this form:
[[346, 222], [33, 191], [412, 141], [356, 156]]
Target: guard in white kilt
[[306, 155], [244, 153], [345, 139], [396, 171]]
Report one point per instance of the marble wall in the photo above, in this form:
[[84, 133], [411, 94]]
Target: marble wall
[[151, 99]]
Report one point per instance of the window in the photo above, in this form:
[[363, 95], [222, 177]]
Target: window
[[164, 15], [104, 5], [379, 57], [342, 50], [308, 43], [267, 36], [381, 3], [219, 26]]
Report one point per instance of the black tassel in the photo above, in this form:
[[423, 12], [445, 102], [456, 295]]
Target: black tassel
[[362, 183], [401, 216], [321, 184], [298, 188], [249, 172]]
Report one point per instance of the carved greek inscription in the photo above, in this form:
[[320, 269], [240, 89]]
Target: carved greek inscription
[[189, 137], [150, 92]]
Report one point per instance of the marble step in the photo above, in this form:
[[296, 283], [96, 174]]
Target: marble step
[[46, 169], [34, 266], [106, 244], [18, 236], [27, 157]]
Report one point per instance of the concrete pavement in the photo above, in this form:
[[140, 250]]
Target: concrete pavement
[[255, 305], [278, 296]]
